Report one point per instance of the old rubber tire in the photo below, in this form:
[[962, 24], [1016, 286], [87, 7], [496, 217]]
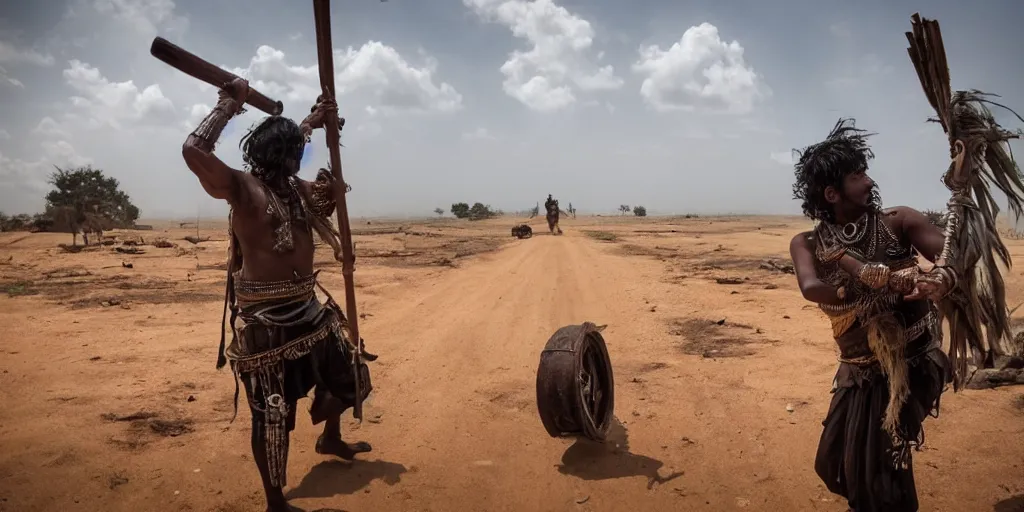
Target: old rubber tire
[[575, 385]]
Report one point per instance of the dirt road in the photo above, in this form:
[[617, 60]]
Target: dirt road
[[702, 403]]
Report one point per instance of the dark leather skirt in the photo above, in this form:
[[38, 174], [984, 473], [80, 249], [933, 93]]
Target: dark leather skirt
[[855, 455]]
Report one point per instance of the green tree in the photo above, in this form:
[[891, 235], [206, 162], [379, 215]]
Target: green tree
[[480, 211], [439, 212], [460, 210], [624, 208], [83, 199], [639, 211]]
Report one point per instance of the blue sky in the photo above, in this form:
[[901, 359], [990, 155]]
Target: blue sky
[[679, 106]]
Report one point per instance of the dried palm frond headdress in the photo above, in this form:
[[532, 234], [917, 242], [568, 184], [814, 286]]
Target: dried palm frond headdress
[[981, 157]]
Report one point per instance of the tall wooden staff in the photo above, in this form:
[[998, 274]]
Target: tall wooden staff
[[322, 16]]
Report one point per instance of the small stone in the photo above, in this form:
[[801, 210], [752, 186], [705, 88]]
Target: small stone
[[177, 493], [790, 408], [196, 470], [191, 398], [583, 500]]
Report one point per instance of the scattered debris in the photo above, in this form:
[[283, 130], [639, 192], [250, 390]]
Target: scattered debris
[[110, 302], [64, 273], [136, 416], [171, 428], [650, 367], [129, 250], [19, 289], [771, 287], [729, 280], [777, 266], [163, 243], [715, 338], [196, 240], [583, 500], [988, 378], [116, 480], [603, 236]]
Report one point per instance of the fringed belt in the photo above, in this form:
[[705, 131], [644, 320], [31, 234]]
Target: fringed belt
[[912, 333], [254, 292], [294, 349]]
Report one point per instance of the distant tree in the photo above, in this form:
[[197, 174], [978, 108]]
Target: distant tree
[[639, 211], [19, 222], [535, 211], [571, 210], [42, 222], [479, 211], [624, 208], [439, 212], [460, 210], [938, 219], [83, 199]]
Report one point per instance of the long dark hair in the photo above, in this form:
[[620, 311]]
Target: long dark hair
[[819, 166], [273, 148]]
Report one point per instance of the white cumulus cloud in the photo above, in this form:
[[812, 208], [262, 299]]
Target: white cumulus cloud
[[700, 71], [50, 128], [33, 175], [393, 84], [11, 54], [144, 16], [196, 114], [112, 103], [10, 80], [546, 77]]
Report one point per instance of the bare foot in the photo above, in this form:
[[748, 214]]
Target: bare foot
[[335, 446]]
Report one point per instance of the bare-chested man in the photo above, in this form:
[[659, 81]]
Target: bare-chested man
[[859, 265], [285, 341]]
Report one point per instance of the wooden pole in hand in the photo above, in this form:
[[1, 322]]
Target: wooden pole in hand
[[322, 15]]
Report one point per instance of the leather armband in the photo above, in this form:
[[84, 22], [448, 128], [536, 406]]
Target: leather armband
[[205, 135]]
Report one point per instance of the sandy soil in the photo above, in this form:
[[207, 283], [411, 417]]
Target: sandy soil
[[111, 400]]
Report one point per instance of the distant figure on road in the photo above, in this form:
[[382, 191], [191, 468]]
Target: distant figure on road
[[551, 205]]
